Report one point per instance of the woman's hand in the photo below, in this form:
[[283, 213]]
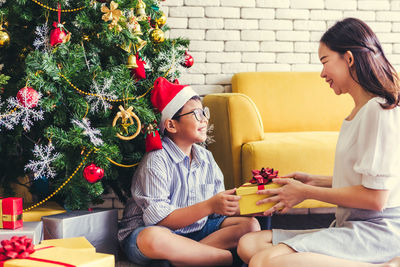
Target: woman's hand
[[290, 194], [311, 179], [303, 177]]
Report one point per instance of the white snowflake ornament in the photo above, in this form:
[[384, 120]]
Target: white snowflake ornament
[[44, 156], [102, 93], [88, 131]]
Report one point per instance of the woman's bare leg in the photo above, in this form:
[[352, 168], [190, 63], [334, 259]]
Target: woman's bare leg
[[252, 243], [282, 255]]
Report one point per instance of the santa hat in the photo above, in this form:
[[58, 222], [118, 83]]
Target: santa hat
[[168, 98]]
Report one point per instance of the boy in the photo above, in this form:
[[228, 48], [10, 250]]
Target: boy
[[178, 208]]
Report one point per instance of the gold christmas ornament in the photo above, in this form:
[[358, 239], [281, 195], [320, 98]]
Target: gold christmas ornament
[[114, 24], [141, 11], [137, 30], [86, 38], [126, 117], [111, 13], [131, 62], [140, 44], [127, 47], [133, 25], [161, 20], [157, 35], [4, 37]]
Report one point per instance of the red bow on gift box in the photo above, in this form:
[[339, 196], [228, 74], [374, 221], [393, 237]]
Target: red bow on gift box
[[263, 176], [21, 248], [16, 248]]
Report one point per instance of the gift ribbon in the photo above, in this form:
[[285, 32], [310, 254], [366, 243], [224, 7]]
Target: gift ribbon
[[7, 217], [21, 248], [59, 13], [263, 177]]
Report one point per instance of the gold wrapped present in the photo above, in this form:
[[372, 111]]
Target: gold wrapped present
[[80, 243], [45, 255], [262, 179], [36, 214], [249, 198], [56, 256]]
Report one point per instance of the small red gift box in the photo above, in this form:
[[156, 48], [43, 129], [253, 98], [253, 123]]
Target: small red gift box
[[11, 212]]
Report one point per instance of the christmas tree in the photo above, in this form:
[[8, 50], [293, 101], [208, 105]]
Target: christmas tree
[[75, 85]]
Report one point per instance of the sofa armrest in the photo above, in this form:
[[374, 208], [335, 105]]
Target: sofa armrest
[[236, 121]]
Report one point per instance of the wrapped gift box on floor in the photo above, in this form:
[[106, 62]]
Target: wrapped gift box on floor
[[33, 230], [46, 209], [11, 212], [98, 226], [68, 252], [249, 198], [80, 243]]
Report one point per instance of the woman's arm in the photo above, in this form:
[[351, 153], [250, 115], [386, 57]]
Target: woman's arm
[[311, 179], [293, 192], [356, 196]]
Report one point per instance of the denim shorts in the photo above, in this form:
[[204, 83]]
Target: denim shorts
[[131, 250]]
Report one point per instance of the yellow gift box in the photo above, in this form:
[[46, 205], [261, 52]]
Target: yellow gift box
[[36, 214], [249, 198], [80, 243], [69, 252], [60, 256]]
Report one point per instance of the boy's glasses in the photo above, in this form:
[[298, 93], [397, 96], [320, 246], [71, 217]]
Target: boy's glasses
[[199, 114]]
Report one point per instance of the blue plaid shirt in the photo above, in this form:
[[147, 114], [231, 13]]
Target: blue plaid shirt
[[166, 180]]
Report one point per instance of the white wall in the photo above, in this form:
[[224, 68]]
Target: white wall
[[230, 36]]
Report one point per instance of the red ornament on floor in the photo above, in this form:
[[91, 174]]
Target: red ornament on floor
[[28, 97], [93, 173]]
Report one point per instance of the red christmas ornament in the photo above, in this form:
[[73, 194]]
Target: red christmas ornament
[[28, 97], [139, 72], [93, 173], [188, 60], [152, 137], [58, 35]]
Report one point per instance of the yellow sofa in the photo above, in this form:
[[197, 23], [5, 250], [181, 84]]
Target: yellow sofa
[[283, 120]]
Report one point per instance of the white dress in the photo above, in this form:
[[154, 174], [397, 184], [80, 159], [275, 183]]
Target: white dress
[[368, 154]]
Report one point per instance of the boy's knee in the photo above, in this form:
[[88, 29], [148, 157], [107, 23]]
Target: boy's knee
[[152, 238], [252, 225]]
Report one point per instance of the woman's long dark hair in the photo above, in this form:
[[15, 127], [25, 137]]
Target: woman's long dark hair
[[374, 72]]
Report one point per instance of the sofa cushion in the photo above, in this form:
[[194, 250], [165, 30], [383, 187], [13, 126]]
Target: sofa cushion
[[311, 152], [291, 151], [294, 101]]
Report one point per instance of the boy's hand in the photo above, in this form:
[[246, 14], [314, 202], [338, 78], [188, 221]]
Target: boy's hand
[[225, 203]]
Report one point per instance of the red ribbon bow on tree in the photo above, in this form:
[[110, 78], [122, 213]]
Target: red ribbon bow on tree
[[263, 176], [16, 248]]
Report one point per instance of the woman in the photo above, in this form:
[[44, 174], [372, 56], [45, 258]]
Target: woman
[[366, 178]]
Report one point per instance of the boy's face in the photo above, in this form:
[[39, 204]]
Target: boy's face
[[188, 128]]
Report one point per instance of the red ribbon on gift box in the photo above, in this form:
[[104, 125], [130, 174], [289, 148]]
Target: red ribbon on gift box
[[263, 177], [22, 248]]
